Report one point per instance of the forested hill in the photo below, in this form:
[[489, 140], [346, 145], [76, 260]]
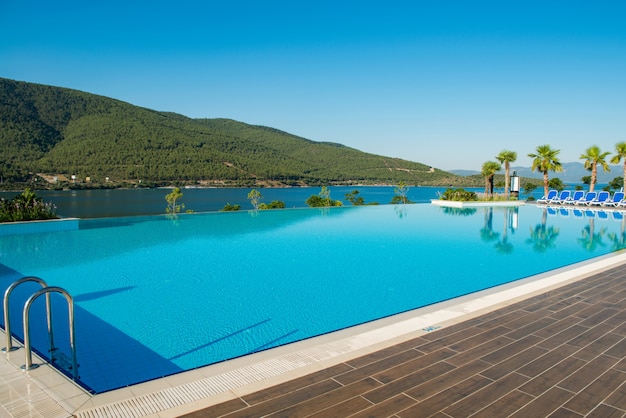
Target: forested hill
[[50, 132]]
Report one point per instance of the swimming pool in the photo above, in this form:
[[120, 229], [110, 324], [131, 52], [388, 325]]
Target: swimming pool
[[156, 296]]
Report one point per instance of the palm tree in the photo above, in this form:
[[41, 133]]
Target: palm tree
[[546, 160], [620, 153], [593, 157], [489, 170], [507, 157]]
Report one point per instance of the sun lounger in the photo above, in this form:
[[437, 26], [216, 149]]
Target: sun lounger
[[562, 197], [600, 199], [615, 201], [551, 195], [576, 197], [590, 196]]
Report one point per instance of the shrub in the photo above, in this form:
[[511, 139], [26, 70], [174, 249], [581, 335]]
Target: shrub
[[275, 204], [316, 201], [26, 207], [459, 195], [230, 208]]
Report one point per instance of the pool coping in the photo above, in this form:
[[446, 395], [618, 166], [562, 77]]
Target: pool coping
[[475, 204], [200, 388]]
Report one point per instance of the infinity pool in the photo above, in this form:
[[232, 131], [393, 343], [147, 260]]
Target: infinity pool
[[156, 296]]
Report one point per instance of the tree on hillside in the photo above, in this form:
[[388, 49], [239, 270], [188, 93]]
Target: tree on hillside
[[620, 154], [594, 157], [507, 157], [544, 161], [489, 170]]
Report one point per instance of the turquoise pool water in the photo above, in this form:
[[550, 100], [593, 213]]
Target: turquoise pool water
[[156, 296]]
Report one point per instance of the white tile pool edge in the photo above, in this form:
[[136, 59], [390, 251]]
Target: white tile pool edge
[[44, 389]]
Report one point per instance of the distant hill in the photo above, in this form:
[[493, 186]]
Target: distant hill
[[59, 133], [572, 173]]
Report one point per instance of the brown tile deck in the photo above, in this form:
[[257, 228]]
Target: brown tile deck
[[559, 354]]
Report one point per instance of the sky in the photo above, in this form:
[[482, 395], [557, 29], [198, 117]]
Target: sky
[[445, 83]]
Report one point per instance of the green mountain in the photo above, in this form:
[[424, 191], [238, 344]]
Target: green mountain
[[54, 133]]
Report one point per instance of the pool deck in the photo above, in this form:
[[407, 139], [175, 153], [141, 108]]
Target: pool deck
[[553, 344]]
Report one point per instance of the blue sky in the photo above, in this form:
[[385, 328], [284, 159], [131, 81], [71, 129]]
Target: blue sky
[[446, 83]]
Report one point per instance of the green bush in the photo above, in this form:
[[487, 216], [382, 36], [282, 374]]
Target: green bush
[[26, 207], [459, 195], [316, 201], [230, 208], [275, 204]]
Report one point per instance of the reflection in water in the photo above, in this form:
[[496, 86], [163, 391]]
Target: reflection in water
[[618, 240], [543, 237], [510, 218], [591, 239], [400, 210], [487, 233], [458, 211]]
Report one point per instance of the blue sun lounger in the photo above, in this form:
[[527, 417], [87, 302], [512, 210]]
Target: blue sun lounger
[[589, 197], [602, 197], [565, 194], [616, 200], [551, 195], [576, 197]]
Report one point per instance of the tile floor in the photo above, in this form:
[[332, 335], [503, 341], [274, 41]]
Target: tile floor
[[558, 354]]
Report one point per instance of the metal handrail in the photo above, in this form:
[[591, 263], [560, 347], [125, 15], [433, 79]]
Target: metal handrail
[[7, 321], [70, 306]]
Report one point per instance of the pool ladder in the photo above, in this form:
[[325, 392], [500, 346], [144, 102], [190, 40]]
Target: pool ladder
[[45, 290]]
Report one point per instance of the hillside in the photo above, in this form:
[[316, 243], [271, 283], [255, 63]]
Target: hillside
[[58, 132], [572, 173]]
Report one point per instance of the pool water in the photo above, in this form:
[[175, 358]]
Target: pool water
[[156, 295]]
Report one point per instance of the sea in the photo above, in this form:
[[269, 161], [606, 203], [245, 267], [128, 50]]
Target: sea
[[103, 203]]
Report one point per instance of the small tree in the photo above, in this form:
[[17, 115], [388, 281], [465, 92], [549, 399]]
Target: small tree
[[401, 191], [354, 198], [489, 170], [171, 198], [322, 200], [556, 183], [529, 188], [255, 198], [325, 195]]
